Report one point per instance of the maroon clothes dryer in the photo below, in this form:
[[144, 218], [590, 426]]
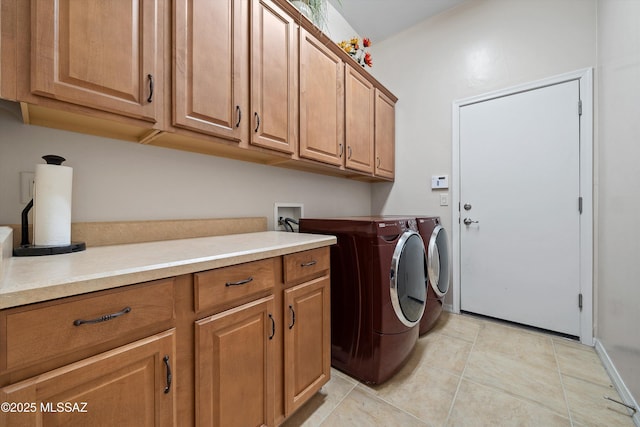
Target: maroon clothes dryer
[[438, 267], [378, 291]]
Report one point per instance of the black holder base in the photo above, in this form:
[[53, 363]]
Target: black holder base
[[35, 250]]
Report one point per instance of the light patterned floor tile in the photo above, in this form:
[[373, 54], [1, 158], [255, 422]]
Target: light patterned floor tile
[[458, 326], [539, 384], [581, 362], [445, 352], [516, 343], [511, 376], [362, 409], [313, 412], [477, 405], [589, 408], [427, 394]]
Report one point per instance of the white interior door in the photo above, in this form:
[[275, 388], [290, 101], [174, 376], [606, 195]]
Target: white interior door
[[519, 185]]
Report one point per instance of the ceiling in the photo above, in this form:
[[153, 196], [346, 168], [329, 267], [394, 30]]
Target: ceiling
[[380, 19]]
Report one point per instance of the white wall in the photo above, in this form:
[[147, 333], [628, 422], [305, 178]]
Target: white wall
[[477, 47], [117, 180], [619, 198]]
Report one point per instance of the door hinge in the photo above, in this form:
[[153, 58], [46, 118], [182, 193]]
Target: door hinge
[[580, 301], [580, 204], [580, 107]]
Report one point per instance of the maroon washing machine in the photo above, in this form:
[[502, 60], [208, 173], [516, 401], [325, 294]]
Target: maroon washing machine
[[378, 292], [438, 267]]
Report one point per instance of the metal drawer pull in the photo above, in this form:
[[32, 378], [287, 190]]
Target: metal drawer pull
[[293, 317], [150, 98], [102, 318], [241, 282], [239, 115], [273, 327], [309, 264], [165, 359], [257, 117]]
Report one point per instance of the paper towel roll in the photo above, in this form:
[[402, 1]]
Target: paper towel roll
[[52, 205]]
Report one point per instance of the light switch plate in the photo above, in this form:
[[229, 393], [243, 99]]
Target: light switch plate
[[444, 199]]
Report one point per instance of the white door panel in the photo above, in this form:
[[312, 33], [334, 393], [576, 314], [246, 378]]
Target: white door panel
[[519, 172]]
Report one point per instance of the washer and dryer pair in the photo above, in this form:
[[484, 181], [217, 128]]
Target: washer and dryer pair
[[388, 278]]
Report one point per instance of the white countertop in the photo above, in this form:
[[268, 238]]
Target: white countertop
[[25, 280]]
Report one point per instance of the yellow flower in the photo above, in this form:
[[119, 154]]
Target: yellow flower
[[345, 46], [354, 41]]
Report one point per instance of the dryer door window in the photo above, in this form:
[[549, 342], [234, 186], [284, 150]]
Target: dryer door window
[[408, 278], [438, 261]]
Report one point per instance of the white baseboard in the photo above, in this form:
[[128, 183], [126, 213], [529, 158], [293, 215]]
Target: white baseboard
[[622, 389], [449, 308]]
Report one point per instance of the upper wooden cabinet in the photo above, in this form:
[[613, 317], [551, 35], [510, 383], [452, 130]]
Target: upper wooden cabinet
[[250, 79], [99, 54], [359, 121], [321, 102], [274, 85], [210, 67], [385, 131]]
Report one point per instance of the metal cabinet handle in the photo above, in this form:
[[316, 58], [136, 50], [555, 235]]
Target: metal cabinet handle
[[101, 319], [341, 150], [273, 327], [239, 115], [378, 162], [257, 117], [169, 376], [349, 155], [241, 282], [293, 317], [150, 98], [309, 264]]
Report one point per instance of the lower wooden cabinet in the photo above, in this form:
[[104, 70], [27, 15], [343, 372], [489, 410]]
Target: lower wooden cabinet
[[234, 366], [242, 345], [307, 341], [128, 386]]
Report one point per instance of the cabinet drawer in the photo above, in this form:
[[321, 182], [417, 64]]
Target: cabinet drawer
[[43, 331], [302, 266], [234, 284]]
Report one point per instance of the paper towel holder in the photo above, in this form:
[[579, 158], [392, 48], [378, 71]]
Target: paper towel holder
[[27, 249]]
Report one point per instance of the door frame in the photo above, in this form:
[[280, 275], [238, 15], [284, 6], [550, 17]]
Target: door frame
[[585, 79]]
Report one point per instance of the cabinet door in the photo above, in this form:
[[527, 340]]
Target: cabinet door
[[210, 72], [385, 135], [321, 102], [307, 341], [274, 86], [128, 386], [234, 366], [359, 109], [101, 54]]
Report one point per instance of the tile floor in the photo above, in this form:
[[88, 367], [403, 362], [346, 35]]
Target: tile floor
[[470, 371]]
